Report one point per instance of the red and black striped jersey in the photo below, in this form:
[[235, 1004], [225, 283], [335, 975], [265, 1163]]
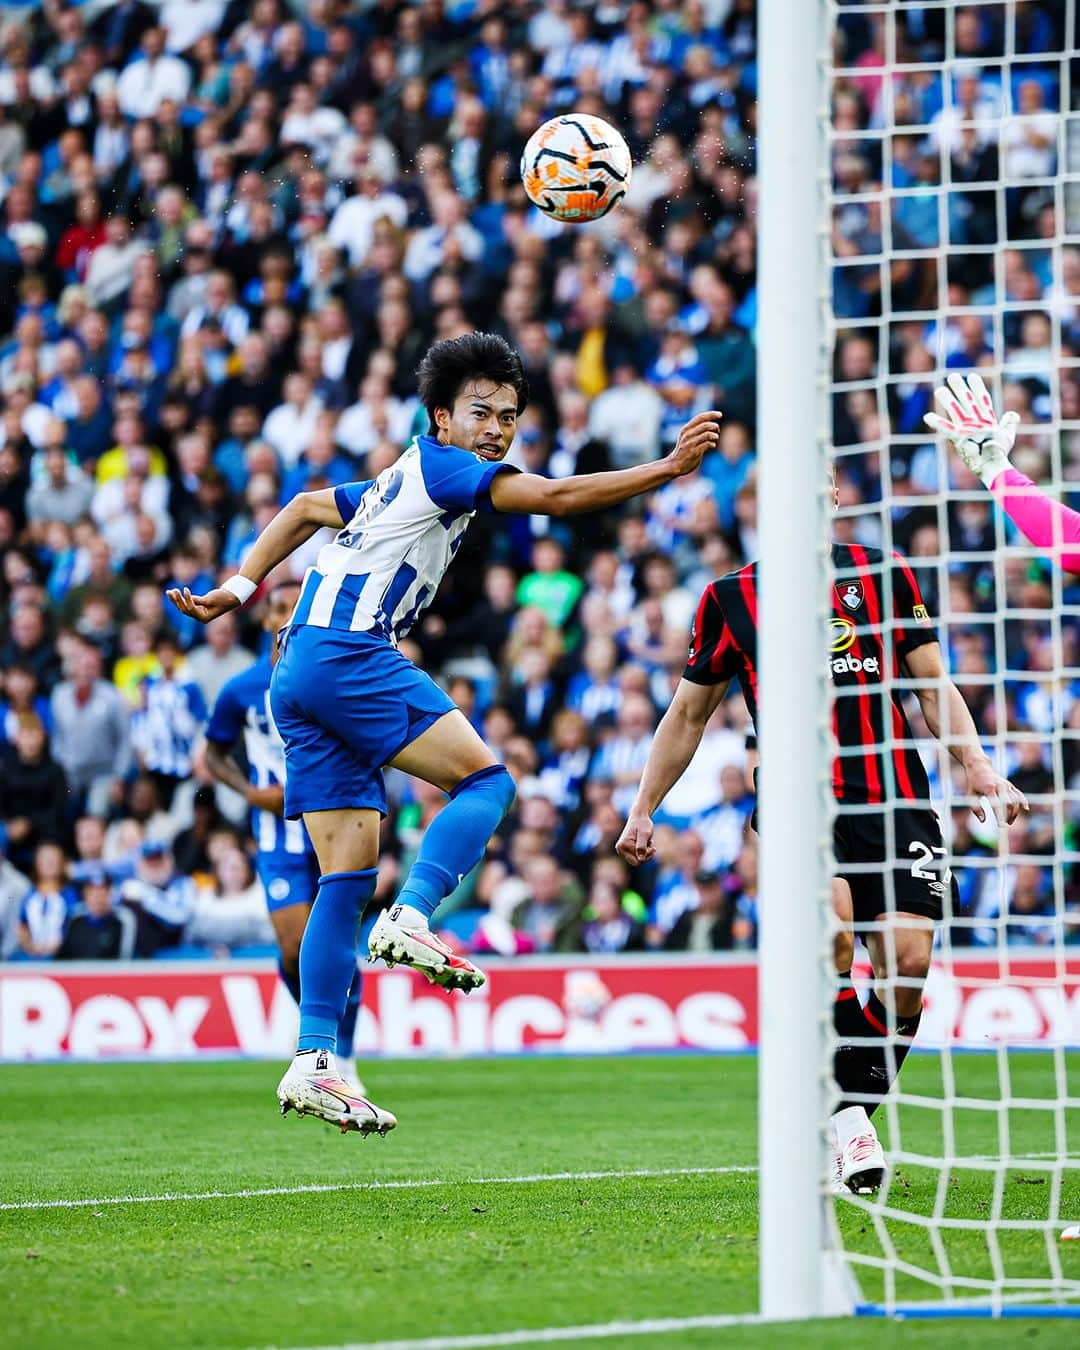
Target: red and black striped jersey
[[878, 618]]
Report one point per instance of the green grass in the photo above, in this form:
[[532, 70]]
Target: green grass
[[461, 1257]]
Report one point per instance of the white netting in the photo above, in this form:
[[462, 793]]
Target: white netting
[[954, 212]]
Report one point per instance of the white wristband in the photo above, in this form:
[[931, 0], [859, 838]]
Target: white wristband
[[242, 587]]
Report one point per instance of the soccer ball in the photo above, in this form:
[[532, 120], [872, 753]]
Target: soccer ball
[[576, 167]]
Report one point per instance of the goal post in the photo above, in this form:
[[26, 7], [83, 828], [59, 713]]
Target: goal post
[[793, 806]]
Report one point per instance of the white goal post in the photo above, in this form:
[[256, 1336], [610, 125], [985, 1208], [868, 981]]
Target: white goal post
[[792, 527]]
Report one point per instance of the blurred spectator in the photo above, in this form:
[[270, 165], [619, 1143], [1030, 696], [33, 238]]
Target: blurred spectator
[[151, 76], [233, 912], [112, 264], [91, 734], [622, 758], [64, 493], [707, 926], [22, 701], [218, 659], [98, 929], [549, 587], [47, 906], [33, 793], [680, 378], [608, 927], [1029, 140], [30, 644], [550, 913], [193, 847], [162, 901], [626, 417], [164, 729]]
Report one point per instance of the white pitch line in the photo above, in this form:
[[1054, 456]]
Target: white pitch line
[[595, 1331], [174, 1197], [528, 1179]]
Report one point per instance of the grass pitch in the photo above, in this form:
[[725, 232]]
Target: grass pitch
[[356, 1263]]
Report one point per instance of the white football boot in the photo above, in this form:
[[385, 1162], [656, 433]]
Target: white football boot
[[415, 945], [862, 1165], [313, 1086]]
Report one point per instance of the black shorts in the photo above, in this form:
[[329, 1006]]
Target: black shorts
[[921, 876]]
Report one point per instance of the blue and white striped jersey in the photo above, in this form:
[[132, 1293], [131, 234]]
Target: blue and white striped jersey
[[164, 729], [401, 531], [243, 709]]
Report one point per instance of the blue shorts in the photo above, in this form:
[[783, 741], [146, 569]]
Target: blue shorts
[[288, 879], [345, 704]]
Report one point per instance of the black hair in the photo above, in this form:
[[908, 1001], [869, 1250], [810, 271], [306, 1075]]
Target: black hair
[[474, 356]]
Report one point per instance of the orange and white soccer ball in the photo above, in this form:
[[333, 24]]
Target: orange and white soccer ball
[[576, 167]]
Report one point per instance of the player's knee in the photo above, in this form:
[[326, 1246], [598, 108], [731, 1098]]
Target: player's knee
[[505, 788], [495, 781], [912, 968], [912, 963]]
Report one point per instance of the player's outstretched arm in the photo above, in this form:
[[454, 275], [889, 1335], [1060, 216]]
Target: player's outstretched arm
[[950, 720], [293, 525], [966, 418], [677, 737], [531, 494]]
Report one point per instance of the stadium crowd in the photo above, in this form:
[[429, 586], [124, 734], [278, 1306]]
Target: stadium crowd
[[227, 233]]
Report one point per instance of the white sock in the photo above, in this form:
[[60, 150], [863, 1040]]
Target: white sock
[[847, 1124], [304, 1060], [409, 917]]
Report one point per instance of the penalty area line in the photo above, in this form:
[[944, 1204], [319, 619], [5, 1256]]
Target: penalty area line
[[595, 1331], [329, 1188]]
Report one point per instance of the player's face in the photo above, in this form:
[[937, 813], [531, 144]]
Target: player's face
[[483, 419]]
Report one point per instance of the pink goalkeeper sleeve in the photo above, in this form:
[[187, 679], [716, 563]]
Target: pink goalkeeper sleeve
[[1045, 522]]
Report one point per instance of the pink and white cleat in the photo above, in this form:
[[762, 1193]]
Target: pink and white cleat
[[391, 941], [861, 1159], [313, 1086], [862, 1167]]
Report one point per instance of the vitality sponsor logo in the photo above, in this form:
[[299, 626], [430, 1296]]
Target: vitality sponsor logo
[[841, 661]]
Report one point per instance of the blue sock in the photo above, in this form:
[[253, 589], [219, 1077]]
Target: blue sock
[[291, 980], [346, 1029], [455, 840], [328, 955]]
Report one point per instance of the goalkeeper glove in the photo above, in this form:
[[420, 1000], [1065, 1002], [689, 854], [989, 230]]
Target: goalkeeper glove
[[969, 422]]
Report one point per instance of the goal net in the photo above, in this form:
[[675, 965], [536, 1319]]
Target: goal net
[[951, 223]]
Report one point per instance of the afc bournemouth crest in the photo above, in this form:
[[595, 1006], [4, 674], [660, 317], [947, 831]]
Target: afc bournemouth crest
[[851, 594]]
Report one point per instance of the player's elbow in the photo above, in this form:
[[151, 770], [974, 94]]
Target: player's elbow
[[304, 507], [215, 759]]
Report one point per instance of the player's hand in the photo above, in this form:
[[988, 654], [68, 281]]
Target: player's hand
[[968, 421], [203, 607], [635, 844], [1005, 798], [700, 435]]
